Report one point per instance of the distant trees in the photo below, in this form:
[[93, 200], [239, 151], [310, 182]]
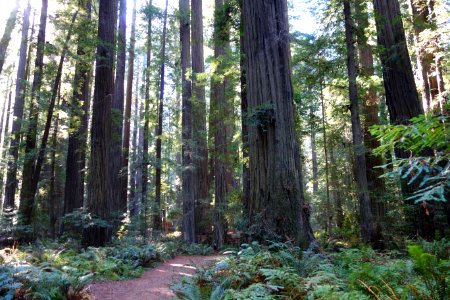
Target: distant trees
[[243, 176]]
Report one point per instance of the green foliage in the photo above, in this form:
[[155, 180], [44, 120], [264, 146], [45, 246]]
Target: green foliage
[[433, 271], [426, 140], [280, 271]]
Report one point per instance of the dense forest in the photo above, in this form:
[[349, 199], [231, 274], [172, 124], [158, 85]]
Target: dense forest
[[300, 163]]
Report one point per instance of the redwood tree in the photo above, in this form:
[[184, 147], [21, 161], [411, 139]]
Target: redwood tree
[[129, 99], [120, 203], [99, 204], [276, 195], [157, 225], [200, 147], [366, 218], [11, 180], [188, 187]]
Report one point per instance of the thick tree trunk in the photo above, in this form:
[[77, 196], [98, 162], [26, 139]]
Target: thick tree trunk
[[159, 130], [120, 203], [99, 190], [11, 180], [276, 195], [6, 38], [79, 113], [365, 212], [146, 116], [188, 189], [370, 108], [402, 98], [26, 193], [129, 100], [199, 133]]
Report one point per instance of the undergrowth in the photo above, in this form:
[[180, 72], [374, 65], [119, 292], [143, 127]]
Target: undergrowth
[[61, 271], [281, 271]]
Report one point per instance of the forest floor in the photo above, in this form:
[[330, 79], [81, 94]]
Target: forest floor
[[154, 283]]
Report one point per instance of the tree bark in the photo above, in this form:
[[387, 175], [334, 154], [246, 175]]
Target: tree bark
[[370, 108], [116, 176], [146, 133], [328, 223], [26, 193], [199, 133], [79, 114], [315, 171], [129, 100], [222, 118], [188, 188], [159, 130], [135, 204], [244, 116], [276, 196], [402, 98], [6, 38], [11, 180], [99, 190], [366, 218], [53, 203]]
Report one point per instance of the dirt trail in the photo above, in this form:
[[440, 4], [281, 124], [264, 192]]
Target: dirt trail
[[153, 284]]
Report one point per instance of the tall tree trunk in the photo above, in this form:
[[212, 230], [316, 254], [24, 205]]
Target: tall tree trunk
[[401, 94], [129, 100], [315, 171], [328, 223], [146, 116], [370, 108], [11, 180], [26, 193], [366, 218], [188, 189], [79, 114], [116, 176], [53, 203], [244, 115], [159, 130], [99, 190], [336, 189], [402, 98], [222, 119], [199, 133], [6, 38], [136, 157], [276, 194]]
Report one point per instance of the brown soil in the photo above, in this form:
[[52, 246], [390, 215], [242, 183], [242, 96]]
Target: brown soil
[[154, 283]]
